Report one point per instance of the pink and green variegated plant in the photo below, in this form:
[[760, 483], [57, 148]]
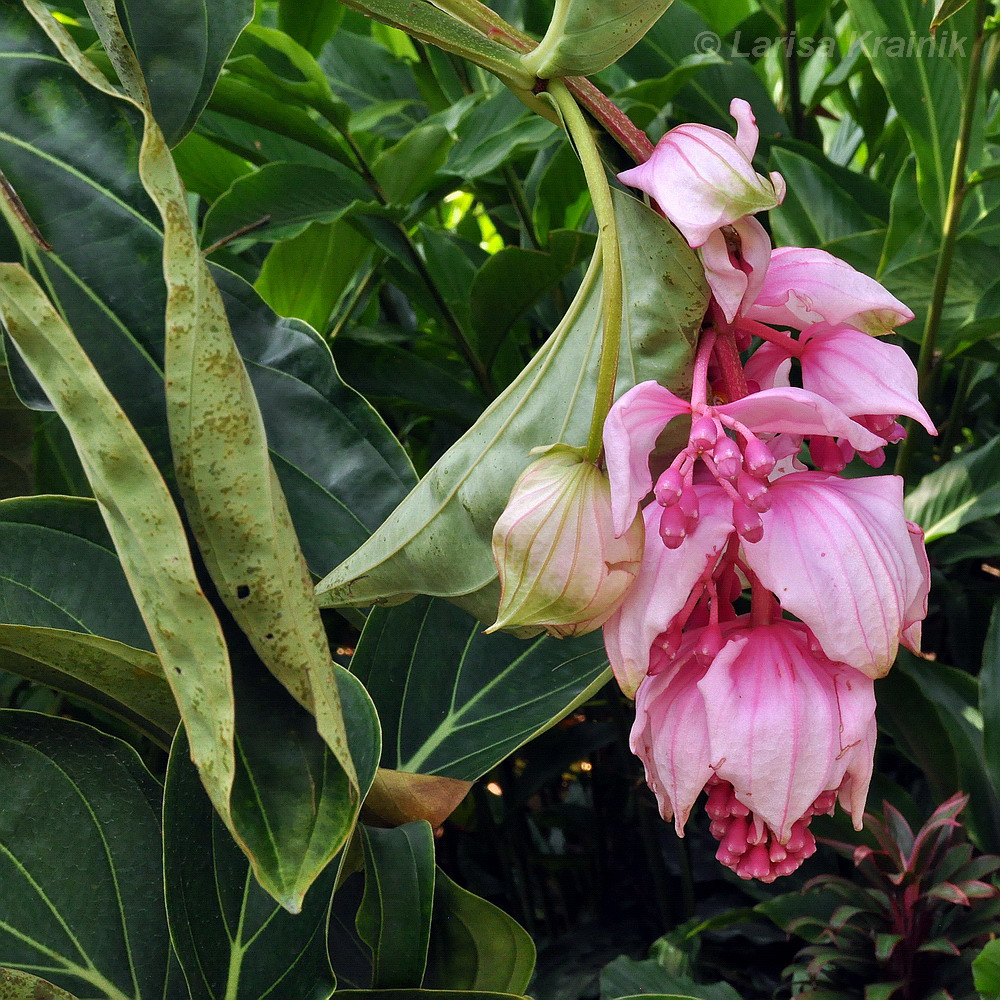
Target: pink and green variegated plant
[[910, 932]]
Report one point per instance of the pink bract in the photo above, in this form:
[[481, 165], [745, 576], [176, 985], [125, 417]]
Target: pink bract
[[807, 286], [703, 179]]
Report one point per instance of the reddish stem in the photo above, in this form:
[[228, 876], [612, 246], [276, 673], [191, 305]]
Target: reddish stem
[[779, 337], [734, 383]]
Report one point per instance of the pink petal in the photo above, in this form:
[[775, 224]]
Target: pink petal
[[860, 374], [916, 611], [805, 286], [630, 434], [838, 555], [782, 720], [798, 411], [734, 281], [670, 737], [769, 366], [747, 133], [861, 764], [666, 578], [702, 179]]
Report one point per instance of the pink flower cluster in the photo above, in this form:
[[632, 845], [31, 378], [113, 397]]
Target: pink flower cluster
[[766, 704]]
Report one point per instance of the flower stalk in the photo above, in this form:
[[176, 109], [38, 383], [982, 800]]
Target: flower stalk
[[611, 271]]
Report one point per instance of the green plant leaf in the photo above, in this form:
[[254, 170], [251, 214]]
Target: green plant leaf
[[61, 162], [227, 932], [954, 696], [232, 496], [627, 977], [925, 90], [438, 540], [181, 46], [80, 810], [143, 523], [511, 280], [585, 36], [409, 168], [206, 168], [455, 702], [426, 22], [22, 986], [394, 919], [414, 994], [965, 489], [289, 195], [310, 22], [707, 95], [475, 945], [986, 971], [310, 275], [78, 632], [943, 9], [816, 210]]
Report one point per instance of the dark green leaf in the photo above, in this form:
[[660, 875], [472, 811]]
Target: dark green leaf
[[228, 933], [453, 701], [207, 168], [181, 45], [289, 196], [475, 945], [965, 489], [925, 90], [310, 22], [943, 9], [627, 977], [816, 209], [510, 282], [409, 168], [80, 810], [394, 919], [989, 697]]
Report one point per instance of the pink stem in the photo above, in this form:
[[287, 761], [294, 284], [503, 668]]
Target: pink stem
[[779, 337], [734, 383], [699, 388]]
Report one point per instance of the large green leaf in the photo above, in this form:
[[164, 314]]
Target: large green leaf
[[626, 977], [232, 496], [228, 933], [289, 195], [143, 523], [181, 45], [341, 469], [69, 619], [310, 22], [438, 540], [455, 702], [963, 490], [475, 945], [954, 698], [80, 811], [585, 36], [924, 89], [394, 919]]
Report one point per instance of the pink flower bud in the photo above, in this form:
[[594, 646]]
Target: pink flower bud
[[825, 454], [754, 492], [561, 566], [703, 179], [704, 433], [747, 522], [669, 487], [758, 459], [673, 526], [690, 507], [728, 457]]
